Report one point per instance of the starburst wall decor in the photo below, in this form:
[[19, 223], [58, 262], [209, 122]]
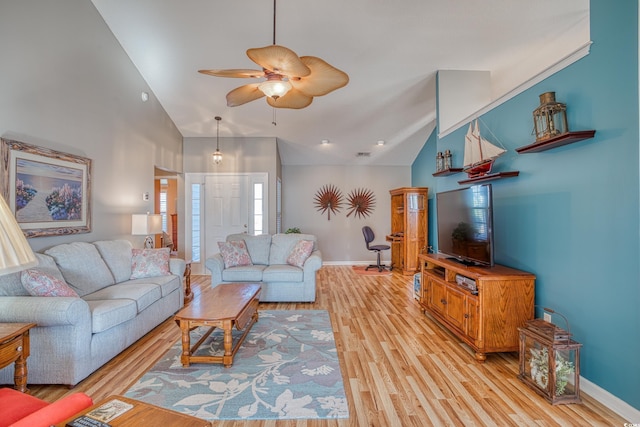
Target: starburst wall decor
[[361, 202], [328, 199]]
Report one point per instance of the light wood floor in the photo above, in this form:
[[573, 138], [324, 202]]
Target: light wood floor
[[400, 368]]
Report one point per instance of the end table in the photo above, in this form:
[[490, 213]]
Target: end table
[[14, 348]]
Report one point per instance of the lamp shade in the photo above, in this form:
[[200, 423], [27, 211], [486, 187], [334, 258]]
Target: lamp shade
[[275, 88], [15, 252], [146, 224]]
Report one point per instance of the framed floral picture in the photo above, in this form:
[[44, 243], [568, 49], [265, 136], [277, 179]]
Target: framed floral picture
[[49, 191]]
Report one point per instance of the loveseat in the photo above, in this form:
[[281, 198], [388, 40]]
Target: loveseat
[[118, 294], [276, 261]]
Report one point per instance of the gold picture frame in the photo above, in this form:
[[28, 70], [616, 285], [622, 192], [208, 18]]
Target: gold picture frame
[[48, 191]]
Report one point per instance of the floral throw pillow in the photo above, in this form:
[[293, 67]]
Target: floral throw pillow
[[41, 284], [234, 253], [300, 253], [149, 263]]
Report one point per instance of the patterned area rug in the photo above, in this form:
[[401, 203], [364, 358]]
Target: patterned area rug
[[361, 269], [287, 368]]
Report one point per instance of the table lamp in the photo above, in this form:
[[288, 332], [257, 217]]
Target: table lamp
[[146, 225], [15, 252]]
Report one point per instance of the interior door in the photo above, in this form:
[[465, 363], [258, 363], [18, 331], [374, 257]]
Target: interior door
[[226, 209]]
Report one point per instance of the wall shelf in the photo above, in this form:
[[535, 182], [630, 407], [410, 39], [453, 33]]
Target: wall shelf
[[447, 172], [490, 177], [557, 141]]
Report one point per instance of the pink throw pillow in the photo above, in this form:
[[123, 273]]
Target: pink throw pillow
[[234, 253], [40, 284], [300, 253], [149, 263]]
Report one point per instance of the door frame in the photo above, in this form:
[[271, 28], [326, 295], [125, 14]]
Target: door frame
[[198, 179]]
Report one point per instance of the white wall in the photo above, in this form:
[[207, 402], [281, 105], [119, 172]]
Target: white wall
[[340, 238], [66, 84], [238, 155]]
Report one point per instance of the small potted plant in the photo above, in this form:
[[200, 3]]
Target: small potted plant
[[539, 365]]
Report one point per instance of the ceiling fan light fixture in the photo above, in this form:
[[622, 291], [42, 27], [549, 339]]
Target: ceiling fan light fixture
[[300, 78], [275, 88]]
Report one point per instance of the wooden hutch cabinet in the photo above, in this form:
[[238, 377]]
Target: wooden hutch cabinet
[[485, 310], [408, 236]]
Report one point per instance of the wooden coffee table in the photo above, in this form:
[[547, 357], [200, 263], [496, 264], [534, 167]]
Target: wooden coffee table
[[143, 414], [226, 306]]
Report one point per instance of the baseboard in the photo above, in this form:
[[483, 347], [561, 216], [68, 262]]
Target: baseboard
[[351, 262], [617, 405]]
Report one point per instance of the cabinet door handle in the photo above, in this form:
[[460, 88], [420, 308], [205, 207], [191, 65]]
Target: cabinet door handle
[[443, 301], [466, 315]]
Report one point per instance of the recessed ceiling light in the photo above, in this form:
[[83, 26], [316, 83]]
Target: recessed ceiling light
[[325, 142], [380, 142]]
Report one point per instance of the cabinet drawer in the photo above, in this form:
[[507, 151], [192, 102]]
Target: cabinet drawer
[[244, 317], [10, 351]]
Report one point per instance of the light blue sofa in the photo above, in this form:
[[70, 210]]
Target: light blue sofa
[[280, 281], [74, 336]]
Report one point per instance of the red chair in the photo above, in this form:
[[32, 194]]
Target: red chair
[[22, 410]]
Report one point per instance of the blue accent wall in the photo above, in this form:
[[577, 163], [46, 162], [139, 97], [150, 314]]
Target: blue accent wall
[[572, 216], [423, 176]]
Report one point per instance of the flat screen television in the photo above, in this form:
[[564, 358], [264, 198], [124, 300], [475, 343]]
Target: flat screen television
[[465, 224]]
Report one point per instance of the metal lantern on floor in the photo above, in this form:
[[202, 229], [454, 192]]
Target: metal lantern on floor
[[550, 118], [550, 361]]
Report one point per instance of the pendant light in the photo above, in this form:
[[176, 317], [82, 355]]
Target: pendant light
[[217, 156]]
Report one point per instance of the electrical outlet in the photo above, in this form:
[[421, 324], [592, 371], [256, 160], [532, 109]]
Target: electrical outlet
[[547, 317]]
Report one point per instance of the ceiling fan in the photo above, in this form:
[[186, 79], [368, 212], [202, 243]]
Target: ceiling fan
[[291, 81]]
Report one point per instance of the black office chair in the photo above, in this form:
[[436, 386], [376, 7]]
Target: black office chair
[[369, 236]]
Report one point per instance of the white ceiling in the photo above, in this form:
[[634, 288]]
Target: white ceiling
[[390, 49]]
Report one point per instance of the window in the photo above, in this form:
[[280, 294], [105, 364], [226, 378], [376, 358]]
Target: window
[[163, 203], [278, 205], [258, 208], [195, 222]]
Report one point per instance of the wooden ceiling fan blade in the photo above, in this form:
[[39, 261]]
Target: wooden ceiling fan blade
[[279, 60], [234, 72], [244, 94], [324, 77], [293, 99]]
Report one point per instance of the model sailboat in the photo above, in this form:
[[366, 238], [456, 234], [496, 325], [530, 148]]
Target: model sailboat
[[479, 154]]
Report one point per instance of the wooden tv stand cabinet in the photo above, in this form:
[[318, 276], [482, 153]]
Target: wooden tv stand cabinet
[[487, 319]]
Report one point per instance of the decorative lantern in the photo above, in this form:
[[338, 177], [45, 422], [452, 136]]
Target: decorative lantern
[[439, 162], [448, 160], [550, 361], [550, 118]]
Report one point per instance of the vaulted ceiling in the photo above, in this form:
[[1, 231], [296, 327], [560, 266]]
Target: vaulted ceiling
[[391, 51]]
